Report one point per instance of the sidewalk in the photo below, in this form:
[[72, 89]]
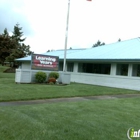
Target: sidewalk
[[69, 99]]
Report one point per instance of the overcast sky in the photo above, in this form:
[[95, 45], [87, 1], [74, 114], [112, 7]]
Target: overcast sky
[[44, 21]]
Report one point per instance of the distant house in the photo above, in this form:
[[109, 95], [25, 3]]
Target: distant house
[[113, 65]]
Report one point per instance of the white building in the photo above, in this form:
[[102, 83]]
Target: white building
[[113, 65]]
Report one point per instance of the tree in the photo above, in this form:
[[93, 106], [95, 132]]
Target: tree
[[119, 40], [98, 44], [17, 34], [5, 32], [21, 50], [12, 47], [7, 45]]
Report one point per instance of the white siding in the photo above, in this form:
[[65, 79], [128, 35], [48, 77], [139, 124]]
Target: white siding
[[130, 69], [107, 80], [113, 69], [75, 69], [112, 80], [17, 75], [23, 76], [26, 65]]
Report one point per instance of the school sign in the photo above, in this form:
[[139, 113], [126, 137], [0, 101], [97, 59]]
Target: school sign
[[44, 62]]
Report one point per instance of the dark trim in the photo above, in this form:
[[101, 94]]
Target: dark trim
[[92, 60], [102, 60], [23, 60]]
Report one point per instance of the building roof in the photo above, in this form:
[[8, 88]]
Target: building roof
[[59, 53], [124, 50], [128, 50]]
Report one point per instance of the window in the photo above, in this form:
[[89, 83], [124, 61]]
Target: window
[[101, 68], [81, 67], [70, 66], [136, 70], [85, 67], [94, 68], [60, 66], [122, 69]]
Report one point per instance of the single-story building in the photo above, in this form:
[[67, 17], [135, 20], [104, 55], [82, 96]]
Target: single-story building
[[113, 65]]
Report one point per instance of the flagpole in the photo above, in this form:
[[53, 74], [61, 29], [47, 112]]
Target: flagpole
[[66, 37]]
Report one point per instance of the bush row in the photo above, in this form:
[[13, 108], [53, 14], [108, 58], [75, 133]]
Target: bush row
[[41, 77]]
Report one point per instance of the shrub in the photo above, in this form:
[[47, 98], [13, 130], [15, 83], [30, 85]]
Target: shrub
[[40, 76], [54, 75], [53, 80], [51, 83]]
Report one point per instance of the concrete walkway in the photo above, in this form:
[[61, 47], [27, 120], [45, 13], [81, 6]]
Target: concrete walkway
[[71, 99]]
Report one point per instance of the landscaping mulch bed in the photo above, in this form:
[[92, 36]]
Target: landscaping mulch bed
[[59, 84]]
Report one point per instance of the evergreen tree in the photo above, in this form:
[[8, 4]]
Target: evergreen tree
[[98, 44], [5, 32], [7, 45], [21, 50], [17, 34], [13, 47], [119, 40]]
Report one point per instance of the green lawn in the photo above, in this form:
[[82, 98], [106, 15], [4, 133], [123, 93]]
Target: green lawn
[[9, 90], [2, 68], [85, 120]]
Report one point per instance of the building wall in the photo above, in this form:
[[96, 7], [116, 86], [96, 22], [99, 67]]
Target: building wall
[[28, 76], [129, 81], [26, 65], [107, 80]]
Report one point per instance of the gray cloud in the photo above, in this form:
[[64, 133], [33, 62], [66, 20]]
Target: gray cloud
[[9, 17]]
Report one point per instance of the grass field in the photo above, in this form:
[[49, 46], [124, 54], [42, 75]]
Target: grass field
[[86, 120], [9, 90]]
